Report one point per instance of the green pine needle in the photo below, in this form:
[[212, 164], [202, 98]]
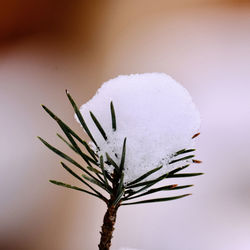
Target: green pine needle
[[182, 159], [98, 125], [83, 181], [119, 198], [66, 157], [154, 190], [112, 162], [70, 131], [85, 157], [177, 170], [96, 182], [150, 183], [185, 175], [65, 141], [58, 183], [123, 155], [79, 116], [105, 174], [184, 151], [120, 186], [144, 176], [96, 171], [113, 118], [156, 200]]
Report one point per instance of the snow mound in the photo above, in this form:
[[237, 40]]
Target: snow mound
[[154, 112]]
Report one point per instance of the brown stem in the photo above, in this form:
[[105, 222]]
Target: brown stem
[[108, 227]]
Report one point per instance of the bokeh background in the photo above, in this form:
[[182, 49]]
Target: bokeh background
[[48, 46]]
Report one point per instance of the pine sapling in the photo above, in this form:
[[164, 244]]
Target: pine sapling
[[142, 130]]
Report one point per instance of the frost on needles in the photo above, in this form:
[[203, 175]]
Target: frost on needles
[[156, 115]]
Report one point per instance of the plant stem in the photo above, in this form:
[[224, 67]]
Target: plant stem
[[108, 227], [110, 215]]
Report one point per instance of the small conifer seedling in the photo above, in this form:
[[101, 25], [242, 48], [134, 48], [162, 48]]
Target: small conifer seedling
[[142, 130]]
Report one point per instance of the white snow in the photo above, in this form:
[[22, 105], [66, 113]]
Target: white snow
[[154, 112]]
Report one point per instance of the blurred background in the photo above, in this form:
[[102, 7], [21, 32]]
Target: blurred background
[[48, 46]]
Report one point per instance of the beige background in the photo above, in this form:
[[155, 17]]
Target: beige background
[[47, 46]]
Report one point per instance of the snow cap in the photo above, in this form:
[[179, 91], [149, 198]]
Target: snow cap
[[153, 111]]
